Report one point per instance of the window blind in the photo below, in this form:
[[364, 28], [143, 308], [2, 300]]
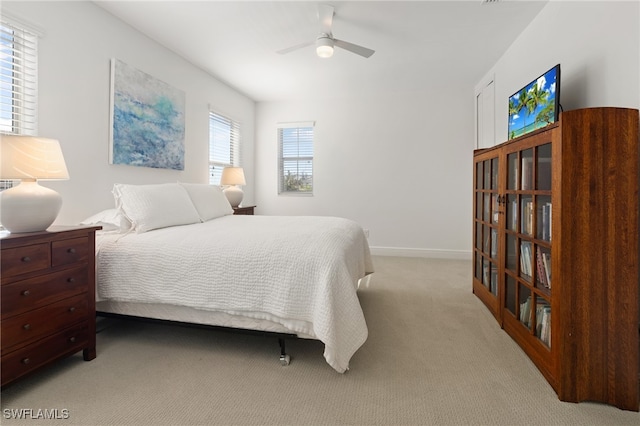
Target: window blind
[[295, 158], [18, 79], [224, 145]]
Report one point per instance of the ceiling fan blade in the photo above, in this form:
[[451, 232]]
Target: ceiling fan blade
[[354, 48], [325, 16], [296, 47]]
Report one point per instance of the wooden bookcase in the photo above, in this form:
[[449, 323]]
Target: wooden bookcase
[[556, 250]]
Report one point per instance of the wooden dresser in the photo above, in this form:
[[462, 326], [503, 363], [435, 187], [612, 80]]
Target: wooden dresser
[[47, 298]]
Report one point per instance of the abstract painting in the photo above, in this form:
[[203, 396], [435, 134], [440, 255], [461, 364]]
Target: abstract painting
[[147, 120]]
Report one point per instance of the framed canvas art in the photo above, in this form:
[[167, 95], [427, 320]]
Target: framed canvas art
[[147, 120]]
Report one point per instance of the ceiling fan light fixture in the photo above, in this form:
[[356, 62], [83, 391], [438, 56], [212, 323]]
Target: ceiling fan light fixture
[[324, 47]]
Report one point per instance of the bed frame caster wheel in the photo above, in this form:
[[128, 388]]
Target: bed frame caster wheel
[[285, 360]]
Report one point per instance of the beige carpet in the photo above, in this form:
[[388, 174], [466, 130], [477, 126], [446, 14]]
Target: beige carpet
[[434, 356]]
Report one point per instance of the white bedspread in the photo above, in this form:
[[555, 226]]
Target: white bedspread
[[301, 272]]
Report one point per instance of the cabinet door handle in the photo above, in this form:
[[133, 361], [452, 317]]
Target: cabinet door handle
[[72, 309], [72, 339], [26, 361], [27, 327], [71, 280], [71, 251], [26, 293], [26, 259]]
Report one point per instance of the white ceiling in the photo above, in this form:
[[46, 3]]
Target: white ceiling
[[417, 43]]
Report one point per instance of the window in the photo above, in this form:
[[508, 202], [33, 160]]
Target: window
[[295, 166], [18, 79], [224, 145], [18, 82]]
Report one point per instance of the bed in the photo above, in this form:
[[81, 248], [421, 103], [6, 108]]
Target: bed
[[176, 252]]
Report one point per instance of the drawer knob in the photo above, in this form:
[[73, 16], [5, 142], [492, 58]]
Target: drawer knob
[[26, 361], [72, 309], [71, 251], [71, 280], [27, 326], [26, 259], [72, 339], [26, 293]]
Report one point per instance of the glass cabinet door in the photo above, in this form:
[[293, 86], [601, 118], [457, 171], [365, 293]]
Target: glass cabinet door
[[486, 221], [527, 239]]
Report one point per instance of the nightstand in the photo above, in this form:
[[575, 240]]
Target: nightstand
[[244, 210], [47, 298]]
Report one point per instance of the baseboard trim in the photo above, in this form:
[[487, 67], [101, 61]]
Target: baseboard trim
[[427, 253]]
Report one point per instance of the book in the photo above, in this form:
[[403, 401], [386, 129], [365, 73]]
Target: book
[[527, 173], [494, 243], [541, 275], [527, 217], [545, 325], [525, 258], [525, 311], [546, 222], [546, 263]]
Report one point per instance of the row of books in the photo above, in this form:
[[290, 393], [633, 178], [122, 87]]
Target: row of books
[[546, 211], [543, 267], [544, 174], [525, 258], [491, 243], [544, 218], [542, 318], [527, 217], [527, 173]]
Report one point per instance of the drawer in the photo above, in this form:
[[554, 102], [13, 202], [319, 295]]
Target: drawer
[[25, 295], [69, 251], [38, 323], [20, 260], [29, 358]]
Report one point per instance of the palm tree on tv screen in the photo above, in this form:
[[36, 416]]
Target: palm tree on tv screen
[[537, 97], [546, 115], [523, 100]]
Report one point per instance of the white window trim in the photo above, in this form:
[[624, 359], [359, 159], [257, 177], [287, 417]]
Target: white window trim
[[22, 68], [236, 143], [293, 125], [31, 34]]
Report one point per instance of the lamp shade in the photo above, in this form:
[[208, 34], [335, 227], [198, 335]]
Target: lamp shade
[[30, 157], [30, 207], [232, 176]]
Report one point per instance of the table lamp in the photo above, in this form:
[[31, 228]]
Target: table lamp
[[233, 176], [30, 207]]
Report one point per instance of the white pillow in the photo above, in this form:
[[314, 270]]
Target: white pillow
[[155, 206], [110, 220], [209, 200]]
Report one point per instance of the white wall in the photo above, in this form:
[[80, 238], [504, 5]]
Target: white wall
[[78, 43], [399, 165], [597, 45]]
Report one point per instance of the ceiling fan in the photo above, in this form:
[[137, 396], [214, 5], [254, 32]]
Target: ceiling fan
[[325, 42]]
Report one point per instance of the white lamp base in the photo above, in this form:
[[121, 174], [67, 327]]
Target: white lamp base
[[234, 194], [29, 207]]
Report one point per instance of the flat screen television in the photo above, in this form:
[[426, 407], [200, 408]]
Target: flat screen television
[[536, 105]]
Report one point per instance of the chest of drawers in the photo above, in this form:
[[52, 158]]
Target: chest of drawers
[[47, 298]]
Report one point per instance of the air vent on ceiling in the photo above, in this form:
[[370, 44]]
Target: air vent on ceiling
[[489, 1]]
